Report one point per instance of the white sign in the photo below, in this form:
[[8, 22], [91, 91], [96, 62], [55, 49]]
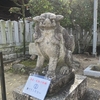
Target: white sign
[[37, 86]]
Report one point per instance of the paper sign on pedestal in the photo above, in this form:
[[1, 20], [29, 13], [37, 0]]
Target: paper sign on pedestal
[[37, 86]]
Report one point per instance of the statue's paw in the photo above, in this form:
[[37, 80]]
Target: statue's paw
[[64, 70], [33, 57], [39, 40], [37, 70], [51, 75], [45, 70]]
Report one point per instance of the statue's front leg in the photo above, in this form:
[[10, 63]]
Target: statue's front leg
[[52, 67], [39, 64], [68, 60]]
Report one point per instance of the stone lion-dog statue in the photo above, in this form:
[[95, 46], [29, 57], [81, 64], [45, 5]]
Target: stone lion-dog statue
[[52, 42]]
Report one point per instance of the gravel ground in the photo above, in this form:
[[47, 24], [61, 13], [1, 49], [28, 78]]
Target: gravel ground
[[12, 81]]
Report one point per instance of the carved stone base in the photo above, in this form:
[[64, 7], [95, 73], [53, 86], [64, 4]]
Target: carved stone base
[[60, 82], [73, 91]]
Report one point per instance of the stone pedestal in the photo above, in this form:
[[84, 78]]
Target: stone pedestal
[[74, 91]]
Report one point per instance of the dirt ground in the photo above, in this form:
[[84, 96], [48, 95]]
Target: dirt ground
[[15, 80]]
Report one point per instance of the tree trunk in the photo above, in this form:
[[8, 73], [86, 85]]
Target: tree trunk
[[24, 35]]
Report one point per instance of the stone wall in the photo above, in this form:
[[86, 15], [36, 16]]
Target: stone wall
[[12, 52], [11, 38]]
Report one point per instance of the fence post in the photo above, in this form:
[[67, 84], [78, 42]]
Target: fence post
[[21, 30], [16, 32], [10, 34], [3, 89], [27, 31], [31, 31], [3, 32]]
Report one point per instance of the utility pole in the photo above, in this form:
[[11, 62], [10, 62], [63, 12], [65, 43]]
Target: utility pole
[[95, 28]]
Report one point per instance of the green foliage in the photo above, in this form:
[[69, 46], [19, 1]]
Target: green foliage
[[82, 13], [29, 63], [39, 6], [78, 12], [62, 7], [20, 10], [16, 10], [32, 64], [55, 6]]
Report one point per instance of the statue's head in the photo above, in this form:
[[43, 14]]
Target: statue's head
[[48, 20]]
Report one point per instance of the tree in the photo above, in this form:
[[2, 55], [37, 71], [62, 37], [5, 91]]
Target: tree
[[55, 6], [20, 9], [75, 12], [82, 13], [62, 7], [39, 6]]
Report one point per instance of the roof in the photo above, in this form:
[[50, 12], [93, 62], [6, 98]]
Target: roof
[[5, 5]]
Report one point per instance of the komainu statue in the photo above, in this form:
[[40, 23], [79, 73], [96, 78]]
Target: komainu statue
[[53, 43]]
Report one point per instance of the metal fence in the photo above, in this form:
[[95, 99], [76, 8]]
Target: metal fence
[[2, 78]]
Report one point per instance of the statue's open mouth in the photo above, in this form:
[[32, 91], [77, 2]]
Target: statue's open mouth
[[47, 26]]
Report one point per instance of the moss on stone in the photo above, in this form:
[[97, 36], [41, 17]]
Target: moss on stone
[[31, 63]]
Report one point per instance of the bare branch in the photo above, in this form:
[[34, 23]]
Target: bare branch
[[15, 1]]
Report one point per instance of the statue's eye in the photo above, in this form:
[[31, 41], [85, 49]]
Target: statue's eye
[[42, 18], [52, 20]]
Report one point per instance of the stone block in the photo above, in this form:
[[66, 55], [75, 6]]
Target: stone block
[[89, 72], [74, 91], [32, 49], [91, 94]]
